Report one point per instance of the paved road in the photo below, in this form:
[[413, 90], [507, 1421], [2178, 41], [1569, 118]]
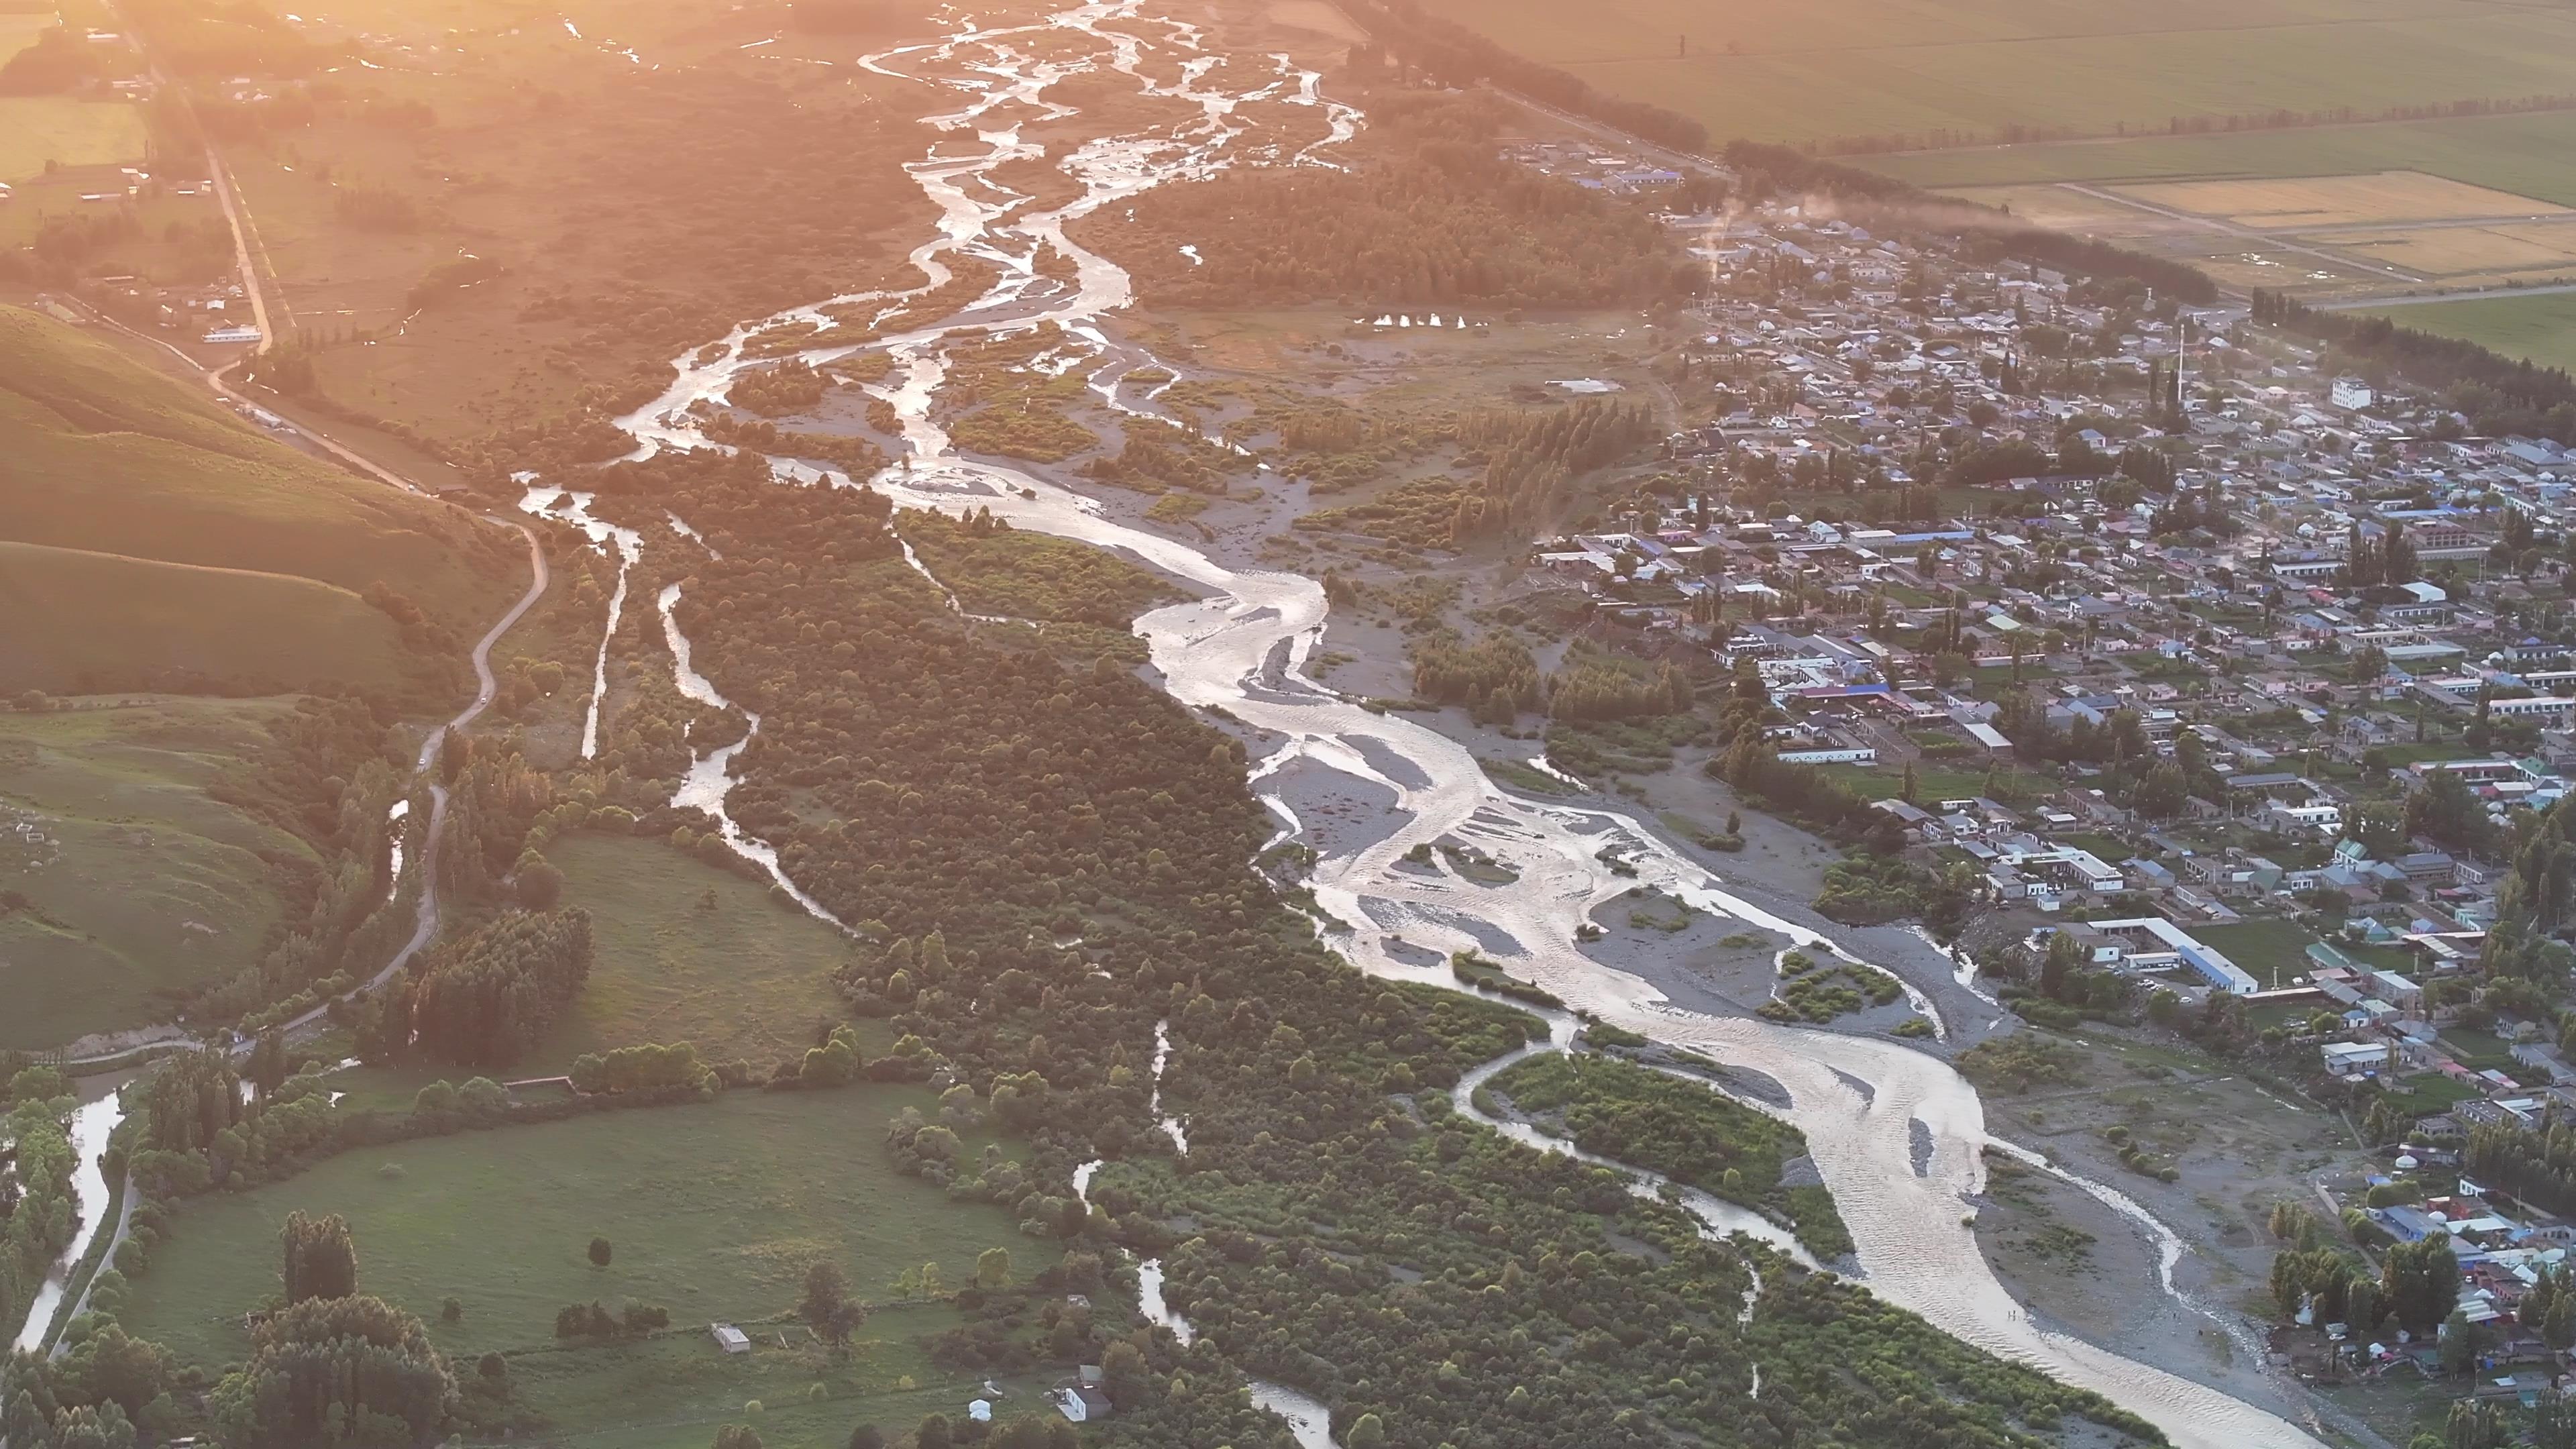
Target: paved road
[[2261, 240], [486, 686]]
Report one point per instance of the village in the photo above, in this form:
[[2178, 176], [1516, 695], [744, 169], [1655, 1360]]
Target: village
[[2235, 667]]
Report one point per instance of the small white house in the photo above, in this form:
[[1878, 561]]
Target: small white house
[[730, 1338], [1082, 1405]]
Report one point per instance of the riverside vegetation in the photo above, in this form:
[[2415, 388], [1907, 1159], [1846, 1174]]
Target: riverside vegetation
[[968, 802]]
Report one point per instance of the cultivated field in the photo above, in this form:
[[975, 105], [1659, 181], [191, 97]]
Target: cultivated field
[[2301, 202], [1781, 70], [2524, 155], [2468, 251], [35, 130], [136, 880], [2343, 233]]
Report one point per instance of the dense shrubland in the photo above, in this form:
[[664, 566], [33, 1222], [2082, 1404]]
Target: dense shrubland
[[1686, 1130], [1430, 215]]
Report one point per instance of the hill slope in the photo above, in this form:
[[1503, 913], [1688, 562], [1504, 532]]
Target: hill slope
[[107, 457], [130, 879], [82, 622]]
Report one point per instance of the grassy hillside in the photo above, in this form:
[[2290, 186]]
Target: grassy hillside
[[82, 622], [124, 876], [111, 457]]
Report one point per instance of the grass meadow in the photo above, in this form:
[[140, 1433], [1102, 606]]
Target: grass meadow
[[714, 1211], [747, 976], [1786, 71], [137, 879], [39, 130], [2538, 329], [81, 621]]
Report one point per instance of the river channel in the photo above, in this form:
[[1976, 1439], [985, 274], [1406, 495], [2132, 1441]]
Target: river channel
[[1865, 1104]]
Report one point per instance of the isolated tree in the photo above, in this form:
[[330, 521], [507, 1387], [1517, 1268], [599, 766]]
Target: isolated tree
[[737, 1436], [599, 1252], [321, 1259], [827, 1304], [993, 1268]]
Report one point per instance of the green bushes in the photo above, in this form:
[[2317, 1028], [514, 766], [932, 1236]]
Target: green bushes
[[1819, 991], [1686, 1130]]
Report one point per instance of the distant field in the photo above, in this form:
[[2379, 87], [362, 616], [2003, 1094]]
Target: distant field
[[2296, 203], [2469, 251], [1782, 70], [38, 129], [108, 456], [139, 880], [745, 976], [2541, 329], [714, 1212], [2524, 155]]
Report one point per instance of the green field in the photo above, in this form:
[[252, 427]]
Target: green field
[[714, 1211], [1778, 70], [1934, 784], [2524, 154], [81, 622], [2537, 329], [746, 978], [108, 456], [35, 130], [2271, 952], [141, 881]]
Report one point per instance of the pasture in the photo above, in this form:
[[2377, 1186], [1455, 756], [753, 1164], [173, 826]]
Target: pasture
[[714, 1211], [82, 621], [39, 130], [688, 952], [136, 879], [110, 457], [1786, 71]]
